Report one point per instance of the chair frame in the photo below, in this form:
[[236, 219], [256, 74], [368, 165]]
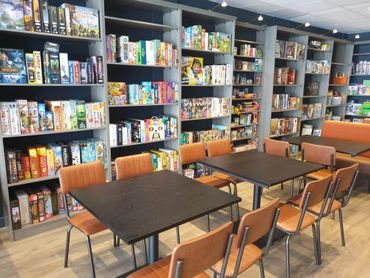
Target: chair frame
[[224, 264]]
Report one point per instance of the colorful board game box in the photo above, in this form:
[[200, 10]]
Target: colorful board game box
[[28, 15], [34, 162], [34, 116], [84, 21], [30, 64], [43, 165], [50, 159], [45, 16], [61, 21], [37, 16], [38, 67], [123, 49], [53, 18], [64, 68], [75, 153], [57, 156], [24, 116], [192, 70], [5, 118], [11, 14], [12, 66]]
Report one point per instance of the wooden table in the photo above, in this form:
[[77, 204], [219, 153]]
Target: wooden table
[[144, 206], [342, 146], [261, 169]]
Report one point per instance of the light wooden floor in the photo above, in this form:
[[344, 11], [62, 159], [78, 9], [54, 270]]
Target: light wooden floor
[[42, 255]]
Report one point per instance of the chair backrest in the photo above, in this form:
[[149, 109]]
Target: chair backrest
[[276, 147], [81, 176], [345, 177], [201, 253], [191, 153], [133, 165], [323, 155], [318, 190], [219, 147], [259, 223]]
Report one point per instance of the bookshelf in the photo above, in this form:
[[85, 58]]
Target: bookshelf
[[360, 53], [341, 62], [247, 38], [313, 105], [78, 48]]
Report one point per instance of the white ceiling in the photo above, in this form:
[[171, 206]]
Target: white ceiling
[[348, 16]]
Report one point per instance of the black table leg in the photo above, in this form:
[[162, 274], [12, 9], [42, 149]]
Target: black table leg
[[153, 248], [257, 193]]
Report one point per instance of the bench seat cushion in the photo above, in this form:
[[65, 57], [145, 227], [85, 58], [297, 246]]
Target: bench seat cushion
[[363, 161]]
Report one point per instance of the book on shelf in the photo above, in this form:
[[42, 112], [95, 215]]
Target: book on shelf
[[248, 65], [307, 130], [284, 76], [284, 102], [318, 67], [281, 126], [248, 50], [289, 50], [245, 79], [216, 133], [243, 132]]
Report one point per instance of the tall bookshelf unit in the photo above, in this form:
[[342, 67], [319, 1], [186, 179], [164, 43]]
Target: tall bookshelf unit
[[341, 63], [253, 35], [361, 52], [78, 48], [211, 22], [318, 80]]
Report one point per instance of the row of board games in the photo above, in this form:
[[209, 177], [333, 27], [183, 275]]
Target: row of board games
[[29, 117], [354, 107], [34, 205], [358, 90], [246, 107], [248, 50], [244, 119], [290, 50], [318, 67], [39, 16], [216, 133], [243, 93], [312, 110], [193, 108], [143, 52], [246, 79], [164, 159], [248, 144], [120, 93], [284, 76], [310, 130], [281, 126], [284, 102], [51, 67], [361, 67], [196, 37], [193, 72], [43, 161], [130, 131], [249, 66], [243, 132]]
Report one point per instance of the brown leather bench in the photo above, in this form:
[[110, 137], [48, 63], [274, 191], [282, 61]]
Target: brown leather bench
[[356, 132]]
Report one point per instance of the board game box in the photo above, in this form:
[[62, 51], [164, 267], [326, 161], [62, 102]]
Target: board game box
[[192, 70], [12, 66], [84, 21], [11, 14]]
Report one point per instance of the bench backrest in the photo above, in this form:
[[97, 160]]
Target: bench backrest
[[356, 132]]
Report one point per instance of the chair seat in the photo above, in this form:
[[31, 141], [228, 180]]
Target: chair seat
[[321, 174], [289, 216], [226, 177], [159, 269], [212, 181], [251, 255], [315, 209], [87, 223]]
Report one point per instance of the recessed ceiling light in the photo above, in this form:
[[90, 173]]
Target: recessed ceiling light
[[335, 31], [260, 18], [357, 36], [224, 4], [307, 24]]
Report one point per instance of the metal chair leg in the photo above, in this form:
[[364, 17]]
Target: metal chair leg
[[178, 234], [92, 268], [208, 223], [314, 238], [262, 268], [145, 252], [231, 207], [299, 185], [292, 188], [67, 245], [237, 204], [341, 227], [333, 215], [282, 186], [318, 231], [287, 257], [133, 256]]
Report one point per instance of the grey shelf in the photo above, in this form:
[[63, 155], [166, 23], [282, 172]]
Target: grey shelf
[[283, 135], [143, 105], [43, 133], [248, 42], [337, 105], [362, 75], [28, 181], [338, 85], [210, 85], [206, 118], [289, 59], [362, 54], [205, 51], [288, 85], [285, 110], [246, 85], [50, 85], [314, 73], [241, 126], [312, 119], [136, 65], [244, 99], [307, 97], [48, 35], [358, 116], [318, 50], [247, 57], [139, 24], [340, 64], [358, 96], [253, 71], [242, 139], [143, 143]]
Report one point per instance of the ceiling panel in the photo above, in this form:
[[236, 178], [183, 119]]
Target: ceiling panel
[[345, 15]]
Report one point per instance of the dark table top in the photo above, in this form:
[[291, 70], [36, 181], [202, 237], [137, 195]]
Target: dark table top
[[342, 146], [139, 207], [260, 168]]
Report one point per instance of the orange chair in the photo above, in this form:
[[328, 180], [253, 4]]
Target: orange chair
[[192, 153], [278, 148], [77, 177], [218, 148], [133, 166], [294, 219], [192, 258], [343, 182], [252, 227]]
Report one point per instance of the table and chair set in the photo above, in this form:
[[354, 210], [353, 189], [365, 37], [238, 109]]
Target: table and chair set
[[140, 203]]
